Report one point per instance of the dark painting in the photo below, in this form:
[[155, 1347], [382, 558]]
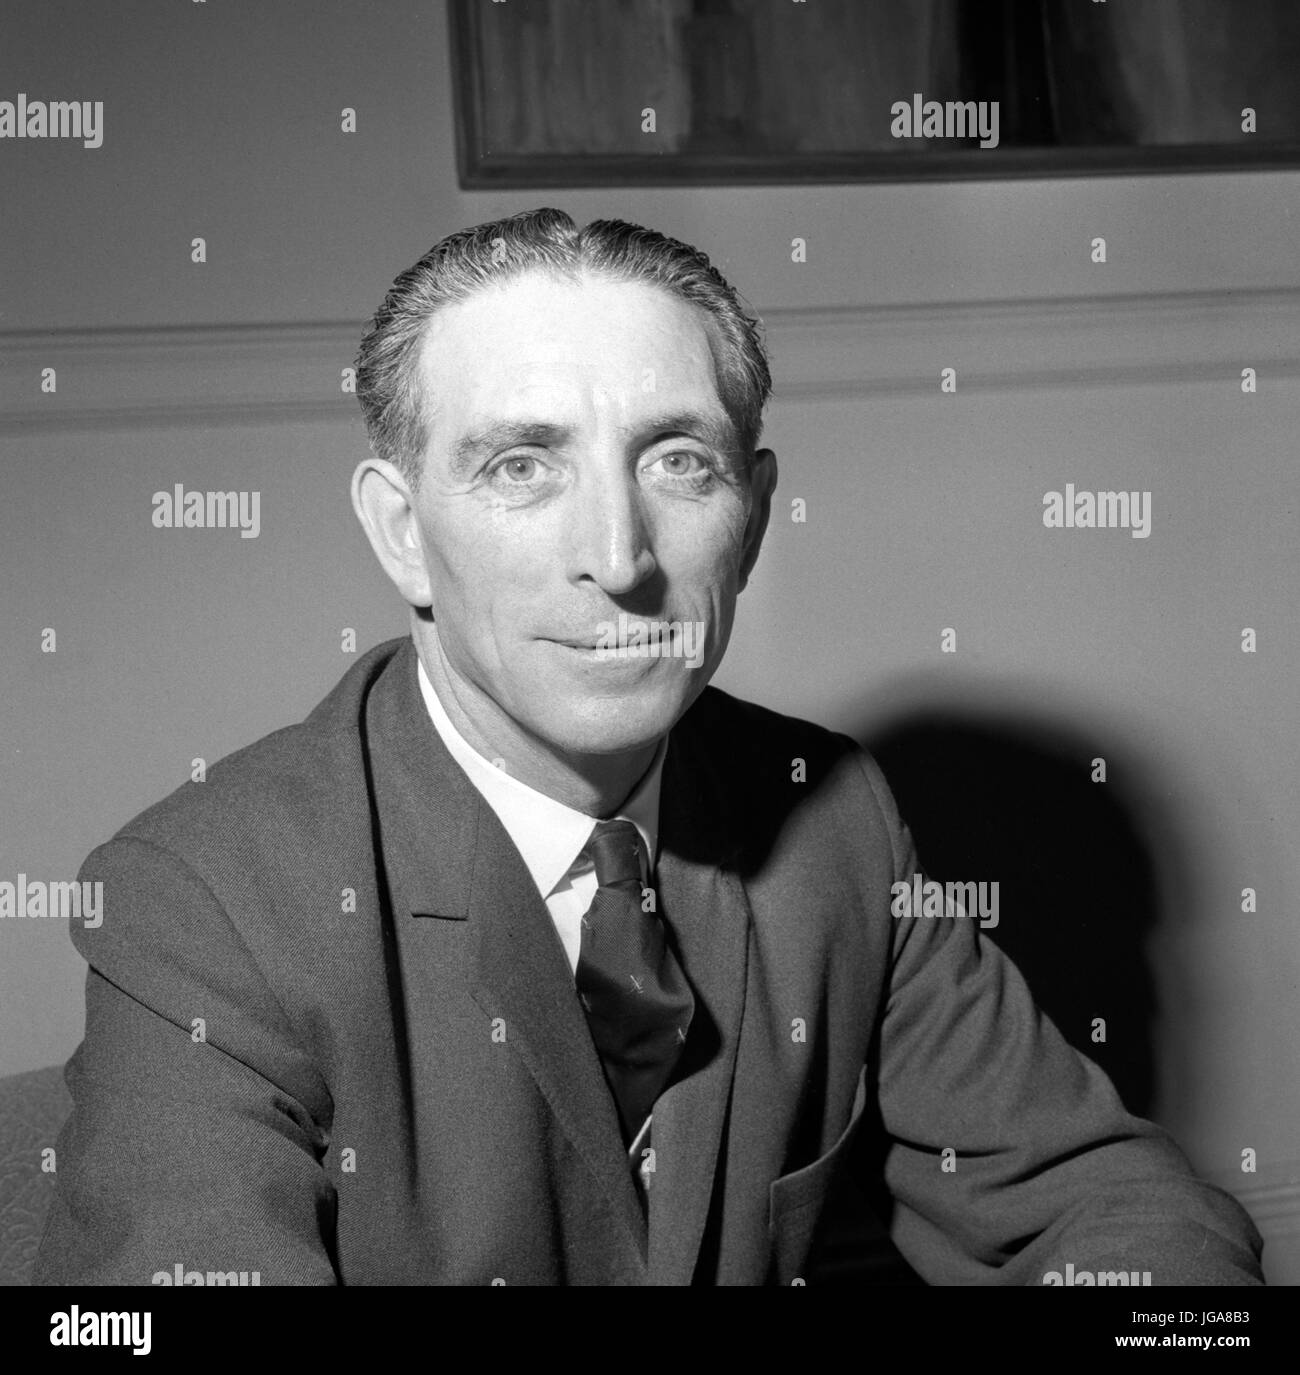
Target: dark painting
[[588, 92]]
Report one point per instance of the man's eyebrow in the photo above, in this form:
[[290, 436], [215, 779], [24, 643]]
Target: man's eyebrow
[[716, 431], [502, 435]]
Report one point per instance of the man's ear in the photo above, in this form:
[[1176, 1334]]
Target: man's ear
[[385, 507], [762, 483]]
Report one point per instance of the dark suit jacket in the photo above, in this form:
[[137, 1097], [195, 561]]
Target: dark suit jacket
[[392, 1080]]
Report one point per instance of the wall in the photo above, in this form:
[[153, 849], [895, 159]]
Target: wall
[[923, 510]]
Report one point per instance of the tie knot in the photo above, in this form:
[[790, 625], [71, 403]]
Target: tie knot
[[615, 849]]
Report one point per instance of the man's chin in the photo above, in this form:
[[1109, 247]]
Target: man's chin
[[614, 724]]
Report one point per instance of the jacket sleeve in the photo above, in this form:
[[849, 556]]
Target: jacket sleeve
[[198, 1123], [1047, 1167]]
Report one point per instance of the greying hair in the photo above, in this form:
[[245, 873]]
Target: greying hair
[[547, 240]]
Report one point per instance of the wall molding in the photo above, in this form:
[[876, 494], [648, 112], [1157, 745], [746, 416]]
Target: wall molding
[[276, 373], [1049, 344], [202, 375]]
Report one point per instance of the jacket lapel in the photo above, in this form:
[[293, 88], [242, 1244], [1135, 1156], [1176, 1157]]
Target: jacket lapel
[[522, 976], [703, 902], [447, 855]]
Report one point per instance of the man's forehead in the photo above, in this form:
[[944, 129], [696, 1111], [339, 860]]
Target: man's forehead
[[538, 342]]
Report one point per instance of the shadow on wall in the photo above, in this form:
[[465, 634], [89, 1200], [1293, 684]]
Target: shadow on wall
[[996, 797]]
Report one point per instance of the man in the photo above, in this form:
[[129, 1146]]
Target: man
[[528, 958]]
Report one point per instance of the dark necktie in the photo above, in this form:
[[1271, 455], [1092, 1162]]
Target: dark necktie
[[638, 1003]]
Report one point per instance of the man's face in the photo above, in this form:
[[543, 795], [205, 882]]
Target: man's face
[[580, 465]]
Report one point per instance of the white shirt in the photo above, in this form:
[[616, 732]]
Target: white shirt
[[546, 833]]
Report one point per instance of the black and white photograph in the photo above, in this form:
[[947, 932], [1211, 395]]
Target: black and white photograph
[[650, 643]]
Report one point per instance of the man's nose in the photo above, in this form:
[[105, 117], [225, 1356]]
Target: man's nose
[[611, 536]]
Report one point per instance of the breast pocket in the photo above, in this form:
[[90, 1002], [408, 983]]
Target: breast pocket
[[796, 1200]]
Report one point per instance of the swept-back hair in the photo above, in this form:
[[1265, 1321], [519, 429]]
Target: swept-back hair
[[388, 383]]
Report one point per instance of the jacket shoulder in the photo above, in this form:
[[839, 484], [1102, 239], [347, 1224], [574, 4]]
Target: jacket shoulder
[[270, 797], [796, 772]]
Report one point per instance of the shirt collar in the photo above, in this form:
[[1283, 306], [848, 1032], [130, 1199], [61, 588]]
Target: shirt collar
[[548, 835]]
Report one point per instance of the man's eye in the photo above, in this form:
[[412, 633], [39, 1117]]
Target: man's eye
[[518, 469], [678, 463]]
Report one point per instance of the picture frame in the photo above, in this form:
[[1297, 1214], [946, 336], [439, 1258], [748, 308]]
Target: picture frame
[[579, 93]]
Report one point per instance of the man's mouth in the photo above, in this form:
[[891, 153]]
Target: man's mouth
[[626, 628], [629, 641]]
